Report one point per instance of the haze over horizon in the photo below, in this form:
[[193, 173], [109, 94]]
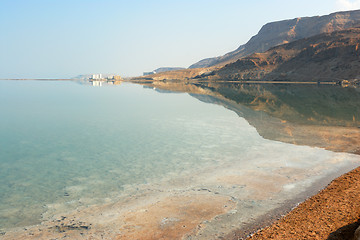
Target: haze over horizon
[[63, 39]]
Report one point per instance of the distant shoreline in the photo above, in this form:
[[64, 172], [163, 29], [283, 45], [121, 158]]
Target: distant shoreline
[[144, 80], [191, 82], [38, 79], [237, 81]]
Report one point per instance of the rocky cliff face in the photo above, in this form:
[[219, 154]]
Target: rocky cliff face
[[326, 57], [276, 33]]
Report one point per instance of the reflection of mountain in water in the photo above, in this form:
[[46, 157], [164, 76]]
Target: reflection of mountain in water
[[302, 104], [325, 116], [320, 116]]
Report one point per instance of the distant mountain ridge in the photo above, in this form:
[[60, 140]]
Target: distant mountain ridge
[[277, 33], [167, 69]]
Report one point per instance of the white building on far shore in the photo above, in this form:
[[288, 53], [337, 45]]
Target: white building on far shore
[[96, 76]]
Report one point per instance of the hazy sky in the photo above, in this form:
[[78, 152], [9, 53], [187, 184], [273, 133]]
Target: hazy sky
[[65, 38]]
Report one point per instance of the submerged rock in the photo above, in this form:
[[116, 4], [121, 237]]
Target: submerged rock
[[357, 234]]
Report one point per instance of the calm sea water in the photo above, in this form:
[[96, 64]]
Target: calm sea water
[[60, 141], [68, 144]]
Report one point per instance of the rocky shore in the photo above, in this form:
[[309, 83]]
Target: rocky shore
[[333, 213]]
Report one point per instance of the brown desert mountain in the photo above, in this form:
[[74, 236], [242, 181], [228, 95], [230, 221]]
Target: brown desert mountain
[[326, 57], [322, 48], [277, 33], [331, 57]]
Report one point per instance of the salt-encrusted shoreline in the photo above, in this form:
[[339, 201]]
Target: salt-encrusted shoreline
[[210, 205]]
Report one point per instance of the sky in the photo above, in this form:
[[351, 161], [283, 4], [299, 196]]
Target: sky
[[66, 38]]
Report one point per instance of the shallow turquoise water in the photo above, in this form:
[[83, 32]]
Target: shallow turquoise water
[[62, 141]]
